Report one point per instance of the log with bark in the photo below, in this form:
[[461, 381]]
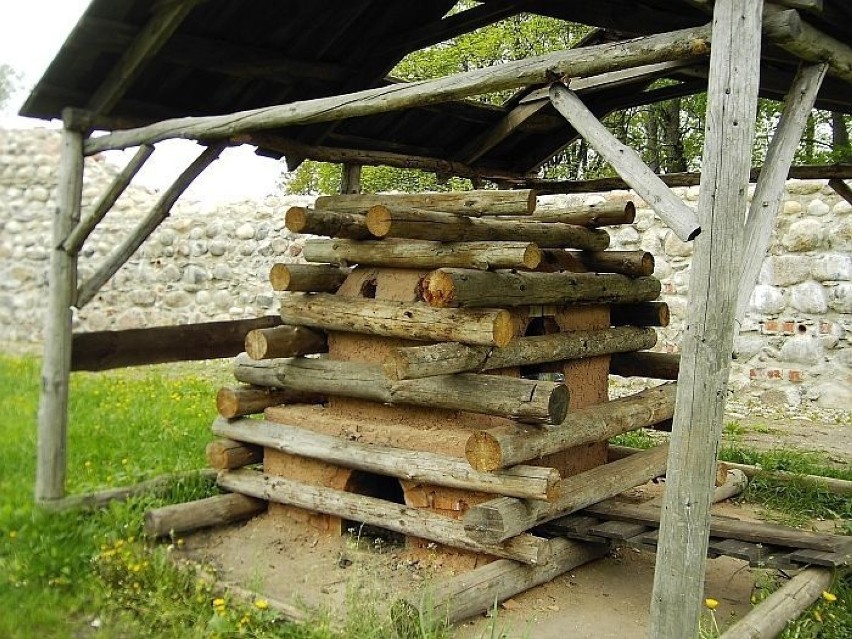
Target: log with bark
[[501, 447], [250, 400], [307, 278], [284, 341], [470, 203], [506, 517], [445, 358], [591, 216], [528, 482], [213, 511], [522, 399], [396, 222], [418, 254], [643, 364], [418, 321], [643, 314], [379, 512], [460, 287], [227, 454], [629, 263], [353, 226]]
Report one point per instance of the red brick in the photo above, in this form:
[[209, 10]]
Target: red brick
[[795, 376]]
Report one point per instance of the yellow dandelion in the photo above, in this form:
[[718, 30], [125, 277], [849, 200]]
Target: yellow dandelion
[[13, 534], [218, 602], [125, 461], [261, 604], [829, 596], [87, 464], [817, 616], [712, 604]]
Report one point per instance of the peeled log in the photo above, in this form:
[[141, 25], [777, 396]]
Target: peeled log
[[472, 203], [629, 263], [505, 517], [213, 511], [415, 254], [606, 214], [501, 447], [226, 454], [418, 224], [445, 358], [353, 226], [521, 399], [284, 341], [644, 364], [307, 278], [644, 314], [459, 287], [236, 402], [487, 327]]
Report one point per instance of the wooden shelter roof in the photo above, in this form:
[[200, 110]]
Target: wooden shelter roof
[[139, 61]]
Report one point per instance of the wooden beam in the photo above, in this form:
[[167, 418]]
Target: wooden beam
[[644, 364], [527, 482], [627, 163], [507, 125], [345, 224], [841, 188], [212, 511], [468, 203], [251, 400], [350, 179], [105, 350], [629, 263], [590, 216], [643, 314], [151, 38], [284, 341], [707, 342], [56, 363], [378, 512], [504, 517], [155, 217], [227, 454], [307, 278], [687, 43], [769, 192]]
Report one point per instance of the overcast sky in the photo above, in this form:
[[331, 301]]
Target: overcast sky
[[31, 33]]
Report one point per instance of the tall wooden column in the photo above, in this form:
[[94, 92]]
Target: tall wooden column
[[708, 337], [62, 286]]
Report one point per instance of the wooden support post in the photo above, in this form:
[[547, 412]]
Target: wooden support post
[[213, 511], [504, 446], [350, 179], [504, 517], [468, 203], [250, 400], [74, 242], [451, 287], [769, 191], [585, 61], [708, 337], [629, 263], [378, 512], [385, 221], [654, 365], [56, 364], [446, 358], [344, 224], [226, 454], [307, 278], [528, 482], [841, 188], [478, 591], [644, 314], [489, 327], [627, 163], [158, 213], [768, 619], [284, 341]]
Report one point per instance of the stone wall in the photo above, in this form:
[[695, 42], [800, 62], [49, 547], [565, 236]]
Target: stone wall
[[207, 263]]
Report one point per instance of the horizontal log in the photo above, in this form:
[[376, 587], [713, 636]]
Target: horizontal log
[[629, 263], [226, 454], [307, 278], [479, 590], [353, 226], [396, 222], [501, 447], [213, 511], [399, 518], [590, 216], [643, 314], [654, 365], [446, 358], [471, 203], [522, 399], [487, 327], [529, 482], [284, 341], [250, 400], [417, 254], [460, 287], [104, 350], [505, 517]]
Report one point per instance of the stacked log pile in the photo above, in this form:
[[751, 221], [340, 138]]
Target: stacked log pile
[[442, 372]]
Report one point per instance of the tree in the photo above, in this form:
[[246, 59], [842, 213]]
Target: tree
[[9, 79]]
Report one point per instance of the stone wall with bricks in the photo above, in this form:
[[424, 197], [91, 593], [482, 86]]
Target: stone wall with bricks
[[209, 263]]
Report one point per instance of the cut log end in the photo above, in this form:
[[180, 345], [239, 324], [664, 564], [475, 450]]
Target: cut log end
[[629, 213], [557, 407], [256, 345], [296, 218], [532, 201], [379, 220], [228, 403], [648, 264], [483, 452], [504, 329], [439, 290], [532, 257], [279, 276]]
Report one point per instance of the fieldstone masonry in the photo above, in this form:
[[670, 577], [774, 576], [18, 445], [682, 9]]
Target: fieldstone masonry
[[211, 263]]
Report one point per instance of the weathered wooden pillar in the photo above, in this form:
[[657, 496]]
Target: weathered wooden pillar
[[708, 336], [350, 179], [62, 287]]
